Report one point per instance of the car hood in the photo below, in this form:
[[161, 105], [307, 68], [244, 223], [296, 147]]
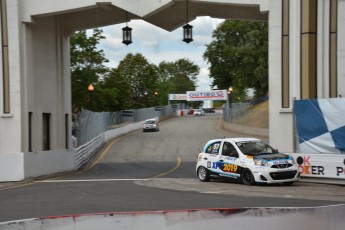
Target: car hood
[[275, 156]]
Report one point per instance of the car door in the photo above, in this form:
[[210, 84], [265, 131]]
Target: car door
[[228, 162], [211, 156]]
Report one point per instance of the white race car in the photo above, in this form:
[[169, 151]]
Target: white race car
[[248, 159]]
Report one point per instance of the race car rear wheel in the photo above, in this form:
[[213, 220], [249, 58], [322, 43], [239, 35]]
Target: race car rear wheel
[[203, 174], [247, 177]]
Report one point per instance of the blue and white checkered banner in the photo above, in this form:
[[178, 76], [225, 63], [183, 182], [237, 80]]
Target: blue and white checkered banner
[[321, 125]]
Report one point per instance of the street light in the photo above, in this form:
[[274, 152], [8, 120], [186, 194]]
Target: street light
[[91, 89], [230, 92], [230, 101]]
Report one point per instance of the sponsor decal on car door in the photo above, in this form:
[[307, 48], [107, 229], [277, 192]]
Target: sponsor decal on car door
[[228, 161]]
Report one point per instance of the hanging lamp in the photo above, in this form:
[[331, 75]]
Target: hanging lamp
[[126, 34], [187, 29]]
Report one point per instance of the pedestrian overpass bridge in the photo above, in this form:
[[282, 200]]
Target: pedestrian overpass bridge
[[306, 41]]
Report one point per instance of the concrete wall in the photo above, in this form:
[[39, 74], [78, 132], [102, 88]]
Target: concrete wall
[[48, 84], [48, 162], [326, 217], [281, 119], [11, 123], [341, 48], [11, 167], [246, 130], [20, 166]]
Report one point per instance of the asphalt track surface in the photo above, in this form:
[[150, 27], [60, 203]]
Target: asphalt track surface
[[154, 171]]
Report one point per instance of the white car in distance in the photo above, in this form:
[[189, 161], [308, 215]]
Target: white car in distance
[[199, 112]]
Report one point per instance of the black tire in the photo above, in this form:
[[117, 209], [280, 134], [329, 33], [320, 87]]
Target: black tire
[[203, 174], [289, 183], [247, 177]]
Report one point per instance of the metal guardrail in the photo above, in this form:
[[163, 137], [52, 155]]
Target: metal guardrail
[[86, 151]]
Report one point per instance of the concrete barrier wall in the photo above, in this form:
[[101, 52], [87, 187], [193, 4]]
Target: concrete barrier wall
[[20, 166], [111, 134], [248, 130], [48, 162], [11, 166], [327, 217]]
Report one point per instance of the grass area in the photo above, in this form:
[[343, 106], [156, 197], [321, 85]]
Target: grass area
[[256, 116]]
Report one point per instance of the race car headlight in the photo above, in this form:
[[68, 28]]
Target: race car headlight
[[261, 162], [292, 160]]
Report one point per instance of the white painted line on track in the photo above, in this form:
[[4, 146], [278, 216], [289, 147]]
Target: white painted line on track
[[216, 192], [90, 180]]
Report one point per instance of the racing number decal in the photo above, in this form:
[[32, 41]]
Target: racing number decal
[[230, 168]]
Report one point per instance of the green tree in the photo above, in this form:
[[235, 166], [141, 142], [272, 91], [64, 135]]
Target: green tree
[[238, 56], [115, 92], [87, 67], [177, 77], [184, 78], [135, 82], [165, 86]]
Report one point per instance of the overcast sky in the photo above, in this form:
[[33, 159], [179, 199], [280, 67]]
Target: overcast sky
[[158, 45]]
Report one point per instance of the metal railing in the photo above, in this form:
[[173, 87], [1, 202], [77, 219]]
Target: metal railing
[[235, 111], [239, 113], [89, 125]]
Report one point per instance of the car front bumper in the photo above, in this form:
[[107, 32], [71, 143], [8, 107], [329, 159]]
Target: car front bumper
[[272, 175]]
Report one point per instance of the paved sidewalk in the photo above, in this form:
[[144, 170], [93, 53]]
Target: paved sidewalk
[[323, 180]]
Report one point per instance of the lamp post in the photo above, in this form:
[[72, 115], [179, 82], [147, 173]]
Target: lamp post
[[91, 88], [230, 101], [230, 92]]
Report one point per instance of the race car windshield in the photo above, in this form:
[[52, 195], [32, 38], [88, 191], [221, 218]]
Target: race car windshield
[[255, 148]]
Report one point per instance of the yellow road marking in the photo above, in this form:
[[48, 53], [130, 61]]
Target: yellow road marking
[[18, 186], [104, 153], [178, 164]]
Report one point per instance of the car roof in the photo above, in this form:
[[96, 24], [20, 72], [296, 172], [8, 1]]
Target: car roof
[[236, 139], [152, 119]]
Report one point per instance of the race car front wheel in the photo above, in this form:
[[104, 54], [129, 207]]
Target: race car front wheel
[[247, 177], [203, 174]]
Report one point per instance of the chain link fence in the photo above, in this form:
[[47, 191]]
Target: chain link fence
[[241, 113], [89, 125], [233, 113]]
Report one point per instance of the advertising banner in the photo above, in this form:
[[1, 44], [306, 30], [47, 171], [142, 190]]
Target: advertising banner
[[321, 165], [177, 97], [207, 95], [320, 125]]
